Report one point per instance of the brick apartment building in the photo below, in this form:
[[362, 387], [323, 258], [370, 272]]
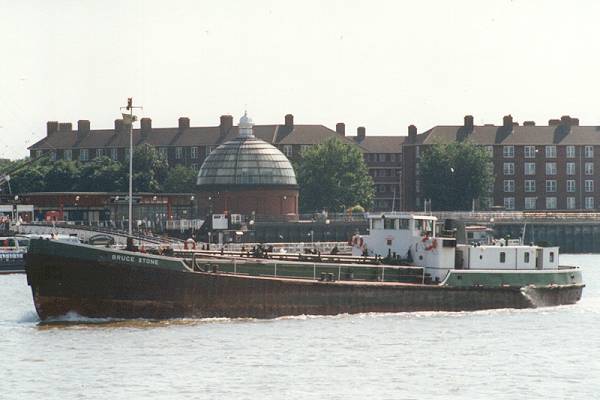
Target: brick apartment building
[[535, 167], [188, 145]]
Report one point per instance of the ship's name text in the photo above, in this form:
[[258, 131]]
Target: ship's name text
[[134, 259]]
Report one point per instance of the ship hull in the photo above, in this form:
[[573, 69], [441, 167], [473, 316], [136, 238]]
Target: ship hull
[[102, 286]]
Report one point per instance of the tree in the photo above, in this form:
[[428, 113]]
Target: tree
[[149, 169], [180, 179], [333, 176], [62, 176], [453, 175], [102, 174]]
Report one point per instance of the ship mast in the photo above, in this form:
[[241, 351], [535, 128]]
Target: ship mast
[[129, 119]]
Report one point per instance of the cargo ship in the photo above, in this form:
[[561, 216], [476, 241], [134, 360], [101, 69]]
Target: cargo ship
[[414, 270]]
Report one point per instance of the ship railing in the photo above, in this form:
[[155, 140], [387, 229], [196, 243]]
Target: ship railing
[[341, 271]]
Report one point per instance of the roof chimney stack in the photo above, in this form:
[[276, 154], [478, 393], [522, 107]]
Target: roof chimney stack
[[340, 128], [184, 123], [468, 121], [51, 127], [553, 122], [226, 124], [412, 133], [507, 121], [65, 127], [528, 123], [83, 126], [361, 132], [289, 121], [119, 126], [146, 125]]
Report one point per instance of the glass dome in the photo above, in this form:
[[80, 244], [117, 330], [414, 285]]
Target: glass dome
[[246, 161]]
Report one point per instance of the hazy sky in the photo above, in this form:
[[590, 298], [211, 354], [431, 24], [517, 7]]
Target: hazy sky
[[381, 64]]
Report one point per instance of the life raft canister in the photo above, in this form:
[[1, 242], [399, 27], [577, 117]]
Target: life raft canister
[[189, 244]]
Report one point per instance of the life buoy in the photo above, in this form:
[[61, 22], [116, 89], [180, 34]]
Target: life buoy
[[189, 244]]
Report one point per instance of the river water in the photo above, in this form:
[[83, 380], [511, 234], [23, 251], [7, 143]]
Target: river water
[[547, 353]]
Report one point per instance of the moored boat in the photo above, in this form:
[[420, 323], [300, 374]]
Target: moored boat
[[443, 276]]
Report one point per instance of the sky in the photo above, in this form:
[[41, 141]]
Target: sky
[[379, 64]]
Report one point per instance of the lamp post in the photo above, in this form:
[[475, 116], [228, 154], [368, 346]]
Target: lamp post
[[129, 119]]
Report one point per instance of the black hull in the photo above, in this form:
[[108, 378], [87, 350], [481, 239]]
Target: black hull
[[101, 289]]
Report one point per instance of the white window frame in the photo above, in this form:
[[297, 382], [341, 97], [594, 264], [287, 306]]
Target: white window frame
[[68, 154], [570, 151], [589, 168], [589, 203], [99, 153], [530, 203], [163, 151], [570, 168], [509, 203], [551, 203], [588, 151], [178, 153], [529, 168], [508, 151], [193, 152], [83, 155], [571, 203], [550, 186], [530, 186], [529, 151], [490, 151], [114, 153], [508, 168], [589, 186], [550, 151], [571, 186], [288, 150], [551, 168], [509, 186]]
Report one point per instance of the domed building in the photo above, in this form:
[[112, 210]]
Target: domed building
[[247, 175]]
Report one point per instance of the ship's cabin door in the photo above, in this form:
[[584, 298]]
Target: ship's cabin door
[[539, 259]]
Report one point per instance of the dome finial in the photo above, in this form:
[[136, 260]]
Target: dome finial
[[245, 126]]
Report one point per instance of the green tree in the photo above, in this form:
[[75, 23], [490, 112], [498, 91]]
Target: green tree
[[102, 174], [62, 176], [180, 179], [333, 176], [150, 169], [30, 179], [453, 175]]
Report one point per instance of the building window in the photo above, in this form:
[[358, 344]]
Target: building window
[[570, 168], [509, 203], [550, 168], [570, 151], [551, 203], [162, 151], [589, 168], [52, 155], [193, 153], [589, 186], [551, 186], [381, 158], [209, 149], [509, 186], [508, 151], [529, 151], [83, 155], [195, 166], [382, 189], [490, 151], [178, 153], [588, 151], [570, 203], [68, 154], [392, 157], [38, 153], [99, 152], [530, 186], [571, 185], [287, 150], [508, 168], [550, 151], [530, 203], [529, 168], [114, 153], [589, 203], [304, 147]]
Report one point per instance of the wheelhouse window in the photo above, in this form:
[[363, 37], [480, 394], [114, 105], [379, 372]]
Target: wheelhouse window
[[403, 223], [526, 257], [388, 223], [502, 257]]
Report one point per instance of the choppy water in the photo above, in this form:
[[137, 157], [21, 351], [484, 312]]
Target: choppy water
[[551, 353]]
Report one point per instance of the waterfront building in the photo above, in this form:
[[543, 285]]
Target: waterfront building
[[190, 146], [535, 167]]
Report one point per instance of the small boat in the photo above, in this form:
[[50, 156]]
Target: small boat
[[401, 266], [12, 253]]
